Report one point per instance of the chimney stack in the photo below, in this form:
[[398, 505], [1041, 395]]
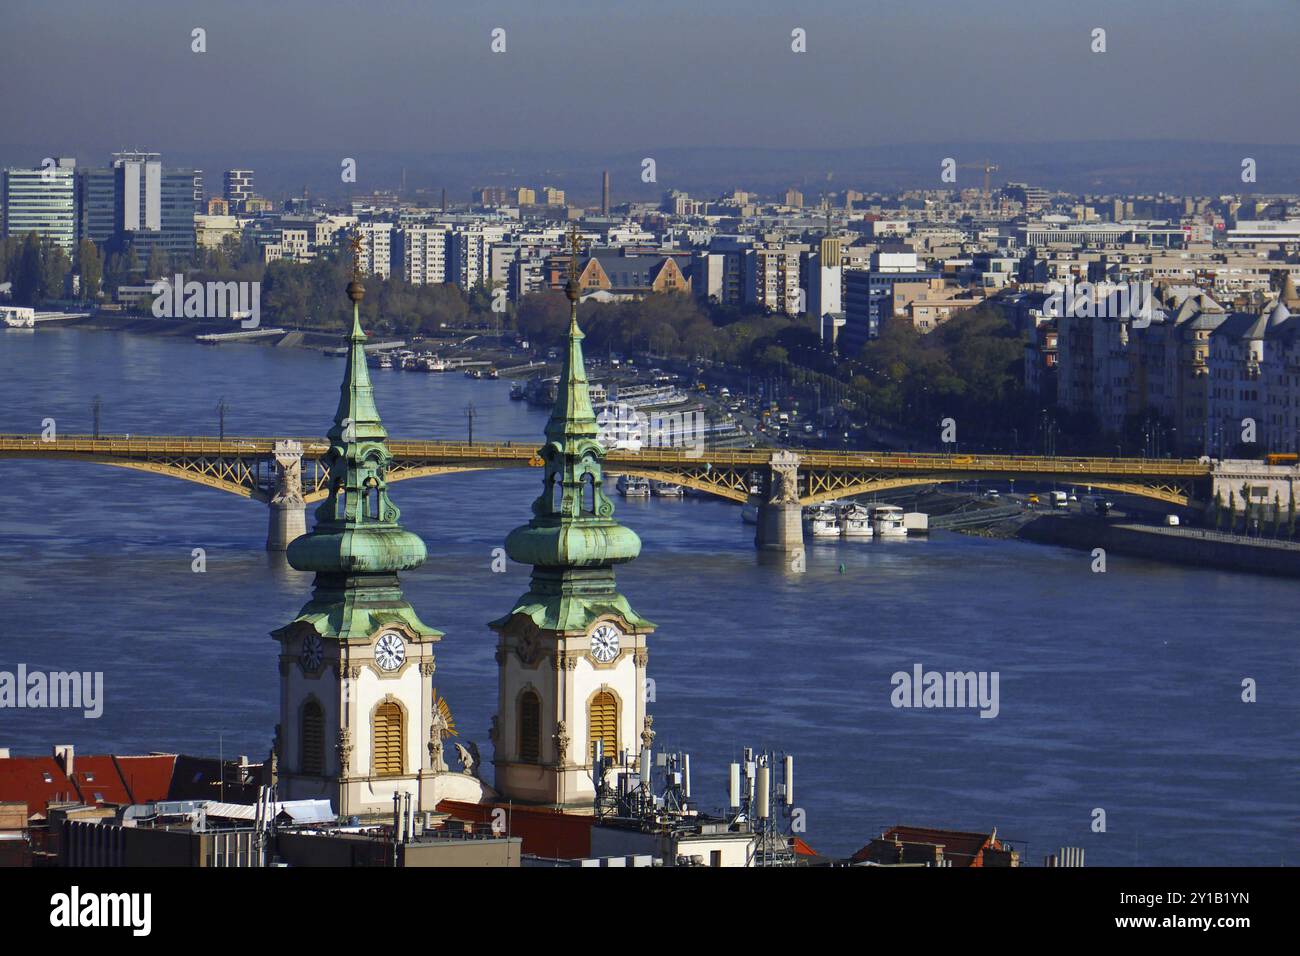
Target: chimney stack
[[64, 754], [604, 193]]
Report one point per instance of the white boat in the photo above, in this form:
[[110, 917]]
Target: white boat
[[855, 522], [887, 521], [630, 486], [432, 363], [821, 521], [18, 316], [665, 489]]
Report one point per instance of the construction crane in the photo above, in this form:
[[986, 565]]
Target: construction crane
[[988, 167]]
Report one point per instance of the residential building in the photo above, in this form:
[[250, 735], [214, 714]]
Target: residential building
[[376, 248], [420, 253], [237, 188]]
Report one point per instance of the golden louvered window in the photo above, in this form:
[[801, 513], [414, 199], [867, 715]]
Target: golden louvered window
[[602, 724], [313, 739], [530, 728], [388, 740]]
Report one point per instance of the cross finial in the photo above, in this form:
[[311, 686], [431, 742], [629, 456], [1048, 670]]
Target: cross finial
[[354, 244], [574, 246]]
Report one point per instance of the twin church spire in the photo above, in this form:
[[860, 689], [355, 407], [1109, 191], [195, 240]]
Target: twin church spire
[[357, 661]]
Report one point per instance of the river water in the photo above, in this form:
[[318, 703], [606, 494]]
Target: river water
[[1118, 691]]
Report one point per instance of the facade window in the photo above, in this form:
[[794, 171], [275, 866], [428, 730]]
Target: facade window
[[602, 724], [530, 728], [388, 740], [312, 739]]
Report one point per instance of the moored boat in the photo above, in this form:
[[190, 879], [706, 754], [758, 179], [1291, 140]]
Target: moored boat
[[821, 521], [887, 521], [630, 486], [855, 522], [665, 489]]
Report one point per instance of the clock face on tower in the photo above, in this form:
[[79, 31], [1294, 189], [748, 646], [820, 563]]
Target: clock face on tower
[[311, 653], [390, 651], [604, 642]]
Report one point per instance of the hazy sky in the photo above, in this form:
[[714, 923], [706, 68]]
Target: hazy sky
[[394, 75]]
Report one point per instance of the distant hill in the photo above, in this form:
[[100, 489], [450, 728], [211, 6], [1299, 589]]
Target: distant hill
[[1108, 167]]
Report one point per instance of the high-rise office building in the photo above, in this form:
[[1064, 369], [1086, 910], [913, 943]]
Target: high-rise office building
[[97, 201], [43, 201], [238, 187], [136, 201]]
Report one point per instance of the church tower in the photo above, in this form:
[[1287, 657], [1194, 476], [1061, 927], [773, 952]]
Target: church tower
[[358, 719], [571, 655]]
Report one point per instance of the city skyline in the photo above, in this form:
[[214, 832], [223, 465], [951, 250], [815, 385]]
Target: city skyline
[[521, 436]]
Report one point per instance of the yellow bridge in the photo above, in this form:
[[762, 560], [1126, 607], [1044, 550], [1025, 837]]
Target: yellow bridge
[[257, 467]]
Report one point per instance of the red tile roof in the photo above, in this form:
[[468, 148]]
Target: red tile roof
[[95, 779], [35, 781], [545, 832], [801, 848], [959, 847]]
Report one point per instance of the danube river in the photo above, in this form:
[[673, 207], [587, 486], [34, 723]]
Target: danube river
[[1118, 691]]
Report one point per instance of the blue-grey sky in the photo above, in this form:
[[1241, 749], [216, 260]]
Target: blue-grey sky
[[418, 75]]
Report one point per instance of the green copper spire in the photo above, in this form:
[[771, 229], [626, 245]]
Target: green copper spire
[[573, 541], [357, 545]]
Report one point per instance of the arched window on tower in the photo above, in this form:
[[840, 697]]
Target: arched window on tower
[[372, 499], [311, 739], [602, 724], [589, 494], [530, 727], [388, 740], [341, 501], [557, 494]]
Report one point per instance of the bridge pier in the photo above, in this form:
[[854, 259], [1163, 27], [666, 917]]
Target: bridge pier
[[288, 509], [780, 516]]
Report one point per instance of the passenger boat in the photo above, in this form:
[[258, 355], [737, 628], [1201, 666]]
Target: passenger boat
[[821, 521], [887, 521], [855, 522], [432, 363], [630, 486], [381, 360], [665, 489], [517, 392]]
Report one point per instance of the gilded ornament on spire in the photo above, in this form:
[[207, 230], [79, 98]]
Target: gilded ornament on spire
[[356, 291]]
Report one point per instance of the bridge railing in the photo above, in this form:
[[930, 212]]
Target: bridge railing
[[152, 443], [316, 446]]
